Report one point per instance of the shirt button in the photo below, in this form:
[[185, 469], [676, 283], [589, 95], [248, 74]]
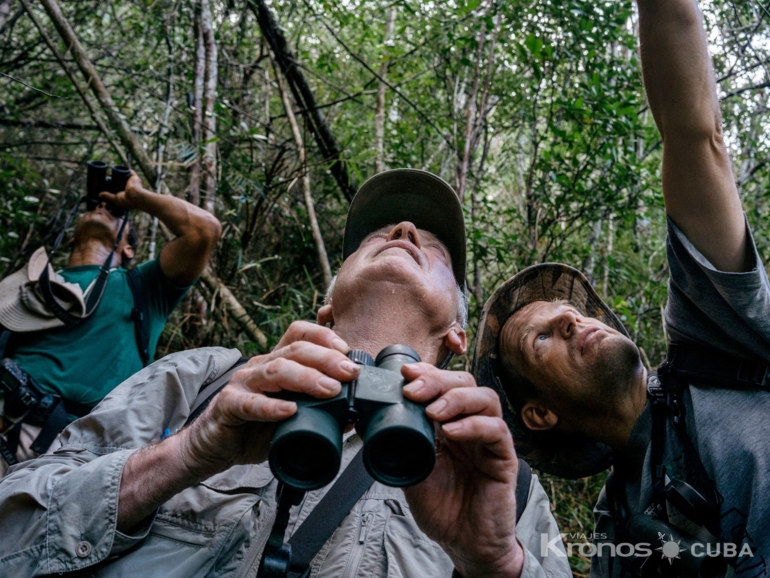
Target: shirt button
[[83, 550]]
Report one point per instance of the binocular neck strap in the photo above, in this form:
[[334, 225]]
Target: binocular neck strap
[[276, 558], [95, 293], [292, 559]]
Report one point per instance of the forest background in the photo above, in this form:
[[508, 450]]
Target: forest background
[[271, 114]]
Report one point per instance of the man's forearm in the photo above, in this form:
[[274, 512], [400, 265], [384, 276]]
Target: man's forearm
[[698, 183], [152, 476], [197, 232], [678, 75], [182, 218]]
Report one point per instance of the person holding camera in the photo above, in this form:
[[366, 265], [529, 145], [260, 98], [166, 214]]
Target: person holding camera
[[168, 475], [690, 443], [73, 336]]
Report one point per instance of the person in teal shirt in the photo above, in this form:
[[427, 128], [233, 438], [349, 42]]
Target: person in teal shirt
[[84, 362]]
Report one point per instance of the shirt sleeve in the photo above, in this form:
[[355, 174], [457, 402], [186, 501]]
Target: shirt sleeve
[[712, 308], [62, 508], [163, 296], [539, 536]]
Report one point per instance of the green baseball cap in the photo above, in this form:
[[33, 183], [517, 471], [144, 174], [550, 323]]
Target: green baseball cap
[[419, 197], [557, 454]]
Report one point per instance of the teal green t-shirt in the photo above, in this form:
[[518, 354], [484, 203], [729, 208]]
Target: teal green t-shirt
[[85, 362]]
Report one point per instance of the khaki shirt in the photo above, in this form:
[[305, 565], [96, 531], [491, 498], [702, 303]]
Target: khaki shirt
[[58, 513]]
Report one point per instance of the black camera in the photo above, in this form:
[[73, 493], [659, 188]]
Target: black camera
[[19, 393], [98, 181], [399, 440]]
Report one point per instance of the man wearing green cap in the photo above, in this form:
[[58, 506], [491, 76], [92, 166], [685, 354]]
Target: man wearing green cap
[[690, 443], [123, 497]]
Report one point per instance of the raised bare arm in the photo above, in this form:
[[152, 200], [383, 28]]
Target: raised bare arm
[[183, 258], [698, 184]]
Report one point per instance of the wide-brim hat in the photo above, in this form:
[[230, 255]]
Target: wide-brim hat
[[420, 197], [22, 306], [561, 455]]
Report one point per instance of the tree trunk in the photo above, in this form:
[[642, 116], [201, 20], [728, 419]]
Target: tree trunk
[[470, 117], [379, 117], [209, 115], [162, 136], [608, 256], [303, 96], [197, 115], [309, 204]]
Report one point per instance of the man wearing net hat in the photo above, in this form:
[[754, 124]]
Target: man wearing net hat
[[132, 491], [67, 338], [690, 443]]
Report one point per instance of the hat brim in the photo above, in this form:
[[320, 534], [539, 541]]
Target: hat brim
[[22, 311], [560, 455], [419, 197]]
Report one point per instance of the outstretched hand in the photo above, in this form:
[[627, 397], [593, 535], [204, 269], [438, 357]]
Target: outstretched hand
[[468, 503]]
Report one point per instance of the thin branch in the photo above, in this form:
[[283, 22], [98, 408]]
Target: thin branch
[[750, 174], [379, 116], [309, 204], [32, 87], [162, 135], [234, 306], [56, 124], [746, 89]]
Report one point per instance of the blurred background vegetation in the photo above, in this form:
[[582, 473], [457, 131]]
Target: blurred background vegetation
[[533, 109]]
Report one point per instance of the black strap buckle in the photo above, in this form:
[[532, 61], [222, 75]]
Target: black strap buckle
[[753, 373]]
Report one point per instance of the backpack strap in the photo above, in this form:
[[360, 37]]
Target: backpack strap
[[139, 314], [523, 482], [715, 367], [5, 335], [207, 393]]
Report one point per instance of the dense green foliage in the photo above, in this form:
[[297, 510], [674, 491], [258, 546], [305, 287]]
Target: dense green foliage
[[535, 110]]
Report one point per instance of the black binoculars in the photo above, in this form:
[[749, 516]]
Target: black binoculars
[[399, 440], [98, 180]]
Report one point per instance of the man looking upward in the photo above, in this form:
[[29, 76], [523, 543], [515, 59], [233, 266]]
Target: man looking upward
[[575, 386], [201, 502], [82, 363]]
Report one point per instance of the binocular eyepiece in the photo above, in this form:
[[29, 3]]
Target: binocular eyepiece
[[98, 180], [399, 441]]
